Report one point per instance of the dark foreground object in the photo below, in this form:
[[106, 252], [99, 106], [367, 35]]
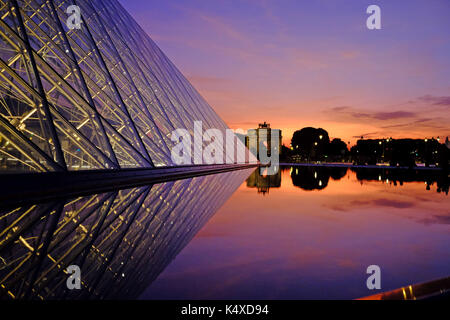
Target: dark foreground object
[[24, 188], [432, 290]]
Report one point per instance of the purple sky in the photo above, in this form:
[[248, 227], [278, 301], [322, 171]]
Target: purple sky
[[312, 63]]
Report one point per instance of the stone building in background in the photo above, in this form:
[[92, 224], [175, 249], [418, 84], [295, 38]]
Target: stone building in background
[[262, 138]]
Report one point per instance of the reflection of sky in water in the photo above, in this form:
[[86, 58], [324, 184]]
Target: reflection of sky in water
[[289, 242]]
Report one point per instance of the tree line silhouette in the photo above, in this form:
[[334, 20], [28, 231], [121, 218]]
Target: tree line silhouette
[[314, 145]]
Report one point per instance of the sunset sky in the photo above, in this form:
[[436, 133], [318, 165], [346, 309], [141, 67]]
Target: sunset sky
[[312, 63]]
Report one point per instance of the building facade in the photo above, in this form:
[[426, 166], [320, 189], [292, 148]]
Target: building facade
[[264, 138]]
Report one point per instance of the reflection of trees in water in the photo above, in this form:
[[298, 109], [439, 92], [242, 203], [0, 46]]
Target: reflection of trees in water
[[399, 176], [315, 178]]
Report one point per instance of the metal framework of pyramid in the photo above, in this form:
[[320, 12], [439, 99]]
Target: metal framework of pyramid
[[100, 97]]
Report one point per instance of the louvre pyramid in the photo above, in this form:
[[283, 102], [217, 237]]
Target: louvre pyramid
[[100, 97]]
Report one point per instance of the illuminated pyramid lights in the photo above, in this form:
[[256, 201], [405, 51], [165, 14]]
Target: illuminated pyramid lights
[[100, 97]]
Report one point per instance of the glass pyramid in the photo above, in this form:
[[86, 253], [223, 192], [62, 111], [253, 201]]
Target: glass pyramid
[[100, 97]]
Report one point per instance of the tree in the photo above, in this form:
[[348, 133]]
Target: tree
[[285, 153], [310, 143], [337, 150]]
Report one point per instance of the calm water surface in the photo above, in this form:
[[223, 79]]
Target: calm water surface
[[311, 233], [308, 232]]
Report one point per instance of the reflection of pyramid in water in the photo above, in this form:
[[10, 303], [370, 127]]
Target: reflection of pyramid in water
[[101, 97], [121, 240]]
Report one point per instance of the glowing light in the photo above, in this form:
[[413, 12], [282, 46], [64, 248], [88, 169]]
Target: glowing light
[[82, 124], [28, 115]]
